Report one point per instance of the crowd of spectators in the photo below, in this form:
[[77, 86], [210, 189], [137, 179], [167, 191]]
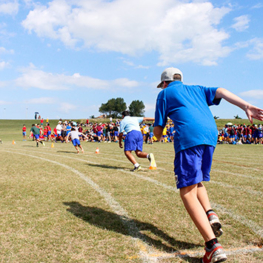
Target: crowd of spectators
[[241, 134], [109, 132]]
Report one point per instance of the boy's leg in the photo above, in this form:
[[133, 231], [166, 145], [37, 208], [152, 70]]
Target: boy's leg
[[81, 148], [196, 211], [130, 157], [203, 197], [76, 147]]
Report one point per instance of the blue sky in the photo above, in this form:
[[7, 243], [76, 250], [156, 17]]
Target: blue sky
[[64, 58]]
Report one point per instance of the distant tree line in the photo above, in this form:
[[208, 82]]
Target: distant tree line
[[114, 108]]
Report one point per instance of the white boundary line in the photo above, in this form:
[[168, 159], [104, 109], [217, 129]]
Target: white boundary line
[[137, 237]]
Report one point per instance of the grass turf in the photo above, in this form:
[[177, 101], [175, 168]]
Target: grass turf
[[50, 213]]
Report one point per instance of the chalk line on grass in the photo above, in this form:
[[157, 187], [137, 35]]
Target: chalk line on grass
[[238, 174], [115, 206], [188, 253]]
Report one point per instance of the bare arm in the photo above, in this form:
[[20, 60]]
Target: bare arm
[[251, 111], [148, 119], [158, 132]]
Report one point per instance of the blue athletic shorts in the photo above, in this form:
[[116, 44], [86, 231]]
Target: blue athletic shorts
[[133, 141], [193, 165], [24, 133], [151, 134], [36, 136], [76, 142]]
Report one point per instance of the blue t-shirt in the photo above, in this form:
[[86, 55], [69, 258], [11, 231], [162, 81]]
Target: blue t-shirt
[[187, 107], [130, 124]]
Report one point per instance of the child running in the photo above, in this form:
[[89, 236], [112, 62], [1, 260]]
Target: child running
[[74, 134], [188, 107]]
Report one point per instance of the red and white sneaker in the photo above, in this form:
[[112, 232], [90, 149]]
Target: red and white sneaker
[[215, 223], [215, 254]]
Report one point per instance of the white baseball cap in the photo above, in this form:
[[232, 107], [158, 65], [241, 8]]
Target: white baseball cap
[[168, 75]]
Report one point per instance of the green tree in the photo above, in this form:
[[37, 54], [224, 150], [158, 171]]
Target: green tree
[[136, 108], [113, 107]]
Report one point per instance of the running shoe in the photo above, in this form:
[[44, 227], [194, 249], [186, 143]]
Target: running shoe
[[136, 169], [152, 160], [215, 254], [43, 144], [151, 157], [215, 223]]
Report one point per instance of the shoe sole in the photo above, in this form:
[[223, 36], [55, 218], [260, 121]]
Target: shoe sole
[[217, 229], [221, 258]]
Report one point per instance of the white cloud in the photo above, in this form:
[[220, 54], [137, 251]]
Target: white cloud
[[36, 78], [257, 51], [255, 94], [241, 23], [2, 102], [65, 107], [9, 7], [43, 100], [177, 30], [3, 65], [5, 51], [257, 6]]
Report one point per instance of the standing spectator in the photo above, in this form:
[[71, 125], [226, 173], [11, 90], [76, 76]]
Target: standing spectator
[[188, 107], [59, 128], [48, 132], [45, 132], [151, 134], [24, 132]]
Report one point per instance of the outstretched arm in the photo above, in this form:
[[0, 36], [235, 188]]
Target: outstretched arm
[[148, 119], [251, 111]]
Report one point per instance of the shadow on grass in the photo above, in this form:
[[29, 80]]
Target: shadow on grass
[[28, 145], [67, 152], [114, 222], [109, 167]]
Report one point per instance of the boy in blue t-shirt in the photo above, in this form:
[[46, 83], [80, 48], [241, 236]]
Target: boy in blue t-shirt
[[188, 108]]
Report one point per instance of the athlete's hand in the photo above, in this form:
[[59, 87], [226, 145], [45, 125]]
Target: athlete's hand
[[120, 144], [254, 113]]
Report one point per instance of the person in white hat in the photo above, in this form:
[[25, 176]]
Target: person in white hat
[[188, 107]]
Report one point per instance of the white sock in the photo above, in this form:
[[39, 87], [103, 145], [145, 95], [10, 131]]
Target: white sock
[[136, 165], [148, 155]]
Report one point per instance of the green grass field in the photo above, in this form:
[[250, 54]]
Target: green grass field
[[57, 206]]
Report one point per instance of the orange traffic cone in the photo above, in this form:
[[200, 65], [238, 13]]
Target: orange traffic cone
[[13, 142], [97, 150], [52, 145]]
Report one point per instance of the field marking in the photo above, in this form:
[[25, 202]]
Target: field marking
[[189, 253], [253, 192], [134, 232], [237, 174], [250, 224]]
